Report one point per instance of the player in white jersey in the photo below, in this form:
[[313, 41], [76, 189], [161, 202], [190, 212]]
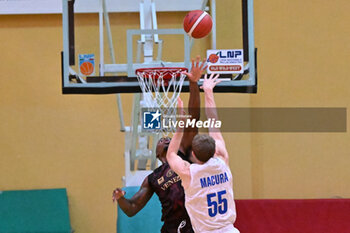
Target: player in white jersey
[[207, 183]]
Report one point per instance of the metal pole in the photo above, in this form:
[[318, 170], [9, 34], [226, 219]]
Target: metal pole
[[111, 52], [65, 24], [100, 14], [213, 30], [251, 39]]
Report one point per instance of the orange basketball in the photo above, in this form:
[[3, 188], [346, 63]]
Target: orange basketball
[[198, 24], [86, 68]]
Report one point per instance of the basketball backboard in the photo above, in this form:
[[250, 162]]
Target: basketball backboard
[[105, 41]]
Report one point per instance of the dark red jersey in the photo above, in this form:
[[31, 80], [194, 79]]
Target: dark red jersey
[[167, 185]]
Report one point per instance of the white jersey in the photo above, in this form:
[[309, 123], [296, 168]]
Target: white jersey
[[209, 197]]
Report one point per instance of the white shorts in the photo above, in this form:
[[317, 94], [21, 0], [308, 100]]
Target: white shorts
[[227, 229]]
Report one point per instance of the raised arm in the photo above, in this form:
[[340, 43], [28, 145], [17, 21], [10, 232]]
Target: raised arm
[[133, 205], [178, 165], [193, 104], [211, 112]]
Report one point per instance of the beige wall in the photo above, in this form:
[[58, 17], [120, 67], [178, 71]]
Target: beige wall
[[303, 56], [50, 140]]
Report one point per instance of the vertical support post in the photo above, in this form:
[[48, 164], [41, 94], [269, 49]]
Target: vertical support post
[[160, 50], [245, 30], [100, 14], [154, 20], [134, 129], [139, 50], [120, 111], [109, 32], [65, 24], [187, 51], [251, 39], [213, 30], [142, 20], [112, 55], [204, 4], [146, 23], [71, 32], [155, 139]]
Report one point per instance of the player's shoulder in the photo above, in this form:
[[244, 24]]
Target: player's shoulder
[[158, 171], [217, 159], [221, 160], [161, 168]]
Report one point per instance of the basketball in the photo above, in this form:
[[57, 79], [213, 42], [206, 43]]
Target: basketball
[[198, 24]]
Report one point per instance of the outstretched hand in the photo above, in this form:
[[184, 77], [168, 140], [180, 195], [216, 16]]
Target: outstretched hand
[[197, 69], [210, 83], [117, 194]]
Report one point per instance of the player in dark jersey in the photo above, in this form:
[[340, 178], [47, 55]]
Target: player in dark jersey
[[163, 181]]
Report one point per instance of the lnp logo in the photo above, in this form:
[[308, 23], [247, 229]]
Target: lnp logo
[[230, 53], [87, 64], [225, 61], [151, 120]]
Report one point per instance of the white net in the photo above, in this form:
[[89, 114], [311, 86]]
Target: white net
[[161, 88]]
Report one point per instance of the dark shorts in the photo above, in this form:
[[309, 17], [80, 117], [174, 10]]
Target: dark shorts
[[182, 226]]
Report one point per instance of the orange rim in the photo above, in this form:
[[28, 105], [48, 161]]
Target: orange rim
[[167, 72]]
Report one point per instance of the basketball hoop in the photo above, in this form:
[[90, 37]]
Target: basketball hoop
[[161, 88]]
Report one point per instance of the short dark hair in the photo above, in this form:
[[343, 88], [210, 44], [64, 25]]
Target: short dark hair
[[203, 146]]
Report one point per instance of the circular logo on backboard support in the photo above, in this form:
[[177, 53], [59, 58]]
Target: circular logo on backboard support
[[87, 64], [86, 68]]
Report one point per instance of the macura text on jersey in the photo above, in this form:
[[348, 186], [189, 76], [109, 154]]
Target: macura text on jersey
[[213, 180]]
